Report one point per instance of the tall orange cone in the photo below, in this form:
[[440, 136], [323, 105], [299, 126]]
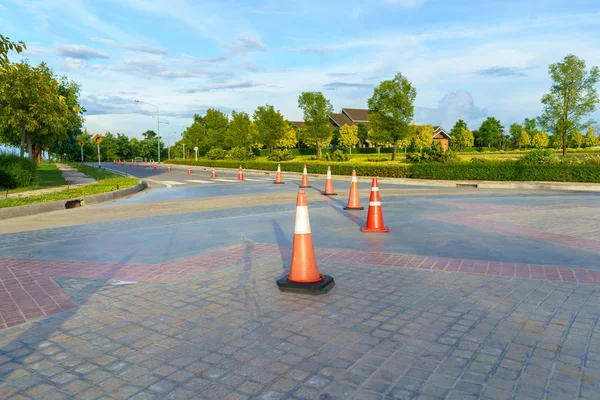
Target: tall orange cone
[[137, 165], [304, 183], [189, 170], [144, 164], [354, 199], [304, 276], [329, 184], [114, 162], [155, 167], [240, 174], [214, 173], [375, 217], [278, 179], [168, 168]]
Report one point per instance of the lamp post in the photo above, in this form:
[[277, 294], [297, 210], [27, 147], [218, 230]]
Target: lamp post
[[161, 122], [157, 123]]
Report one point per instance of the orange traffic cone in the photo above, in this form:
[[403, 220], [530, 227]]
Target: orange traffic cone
[[144, 165], [329, 184], [304, 183], [304, 274], [278, 179], [137, 165], [375, 217], [114, 162], [189, 170], [240, 174], [214, 173], [353, 199], [131, 164], [155, 167], [168, 168]]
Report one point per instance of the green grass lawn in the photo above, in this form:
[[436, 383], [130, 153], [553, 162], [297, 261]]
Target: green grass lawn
[[48, 176], [107, 182]]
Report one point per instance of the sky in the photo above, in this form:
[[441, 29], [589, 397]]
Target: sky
[[467, 59]]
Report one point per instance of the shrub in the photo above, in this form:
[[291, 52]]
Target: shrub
[[281, 155], [16, 172], [433, 154], [337, 155], [216, 154], [240, 154], [539, 156]]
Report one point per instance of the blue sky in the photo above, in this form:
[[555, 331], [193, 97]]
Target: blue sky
[[467, 59]]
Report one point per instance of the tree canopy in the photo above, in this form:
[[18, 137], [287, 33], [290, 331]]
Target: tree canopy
[[270, 125], [316, 110]]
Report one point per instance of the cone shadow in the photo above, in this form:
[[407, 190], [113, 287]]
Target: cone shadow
[[352, 217], [283, 244]]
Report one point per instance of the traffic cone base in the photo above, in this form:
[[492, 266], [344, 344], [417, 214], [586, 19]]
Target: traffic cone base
[[368, 230], [280, 183], [354, 208], [321, 287]]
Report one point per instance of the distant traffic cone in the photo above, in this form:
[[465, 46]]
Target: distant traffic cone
[[278, 179], [137, 165], [168, 168], [189, 170], [114, 162], [240, 174], [353, 198], [375, 217], [304, 274], [304, 183], [214, 173], [131, 164], [329, 184], [155, 167], [144, 165]]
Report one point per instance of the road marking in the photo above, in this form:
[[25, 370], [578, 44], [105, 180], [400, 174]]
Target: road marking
[[162, 183], [255, 180], [225, 180], [172, 182], [198, 181]]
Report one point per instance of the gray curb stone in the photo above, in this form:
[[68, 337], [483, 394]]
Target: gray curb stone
[[20, 211]]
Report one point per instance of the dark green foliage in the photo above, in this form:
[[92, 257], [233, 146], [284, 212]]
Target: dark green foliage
[[539, 156], [240, 154], [16, 172], [216, 154], [435, 153], [337, 155], [281, 155]]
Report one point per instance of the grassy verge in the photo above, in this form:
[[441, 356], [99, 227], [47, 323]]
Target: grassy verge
[[107, 182], [48, 176]]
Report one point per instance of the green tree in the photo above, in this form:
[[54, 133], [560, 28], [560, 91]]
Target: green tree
[[523, 139], [379, 138], [69, 147], [270, 124], [7, 45], [423, 135], [289, 139], [490, 133], [460, 138], [515, 131], [316, 110], [530, 125], [576, 138], [391, 109], [348, 136], [32, 109], [463, 138], [540, 140], [241, 132], [363, 133], [590, 139], [572, 97]]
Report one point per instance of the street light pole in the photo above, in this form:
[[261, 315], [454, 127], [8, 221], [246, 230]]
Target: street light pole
[[157, 124]]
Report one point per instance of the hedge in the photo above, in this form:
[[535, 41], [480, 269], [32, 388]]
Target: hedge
[[506, 171], [16, 172], [312, 152], [391, 170]]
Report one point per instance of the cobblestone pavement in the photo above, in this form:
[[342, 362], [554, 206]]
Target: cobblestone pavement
[[470, 296]]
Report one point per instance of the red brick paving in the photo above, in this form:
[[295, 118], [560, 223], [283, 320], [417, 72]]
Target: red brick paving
[[28, 293], [469, 218]]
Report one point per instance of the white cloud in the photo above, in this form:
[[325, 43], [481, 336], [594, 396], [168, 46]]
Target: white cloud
[[79, 51], [452, 107]]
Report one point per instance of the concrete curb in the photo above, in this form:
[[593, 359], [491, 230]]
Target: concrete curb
[[525, 185], [21, 211]]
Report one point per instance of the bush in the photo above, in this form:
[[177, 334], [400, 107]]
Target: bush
[[16, 172], [216, 154], [240, 154], [281, 155], [539, 156], [337, 155], [433, 154]]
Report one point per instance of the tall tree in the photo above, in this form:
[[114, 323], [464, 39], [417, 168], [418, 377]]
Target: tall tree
[[590, 139], [363, 133], [348, 136], [515, 130], [523, 139], [423, 135], [270, 124], [379, 138], [241, 132], [68, 147], [31, 107], [458, 136], [530, 125], [572, 97], [391, 109], [316, 110], [577, 138], [289, 139], [490, 133], [539, 140]]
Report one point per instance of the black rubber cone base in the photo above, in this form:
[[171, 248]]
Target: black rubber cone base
[[278, 183], [328, 194], [303, 187], [321, 287], [354, 208]]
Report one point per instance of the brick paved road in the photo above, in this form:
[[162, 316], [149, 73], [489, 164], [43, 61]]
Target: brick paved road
[[466, 298]]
